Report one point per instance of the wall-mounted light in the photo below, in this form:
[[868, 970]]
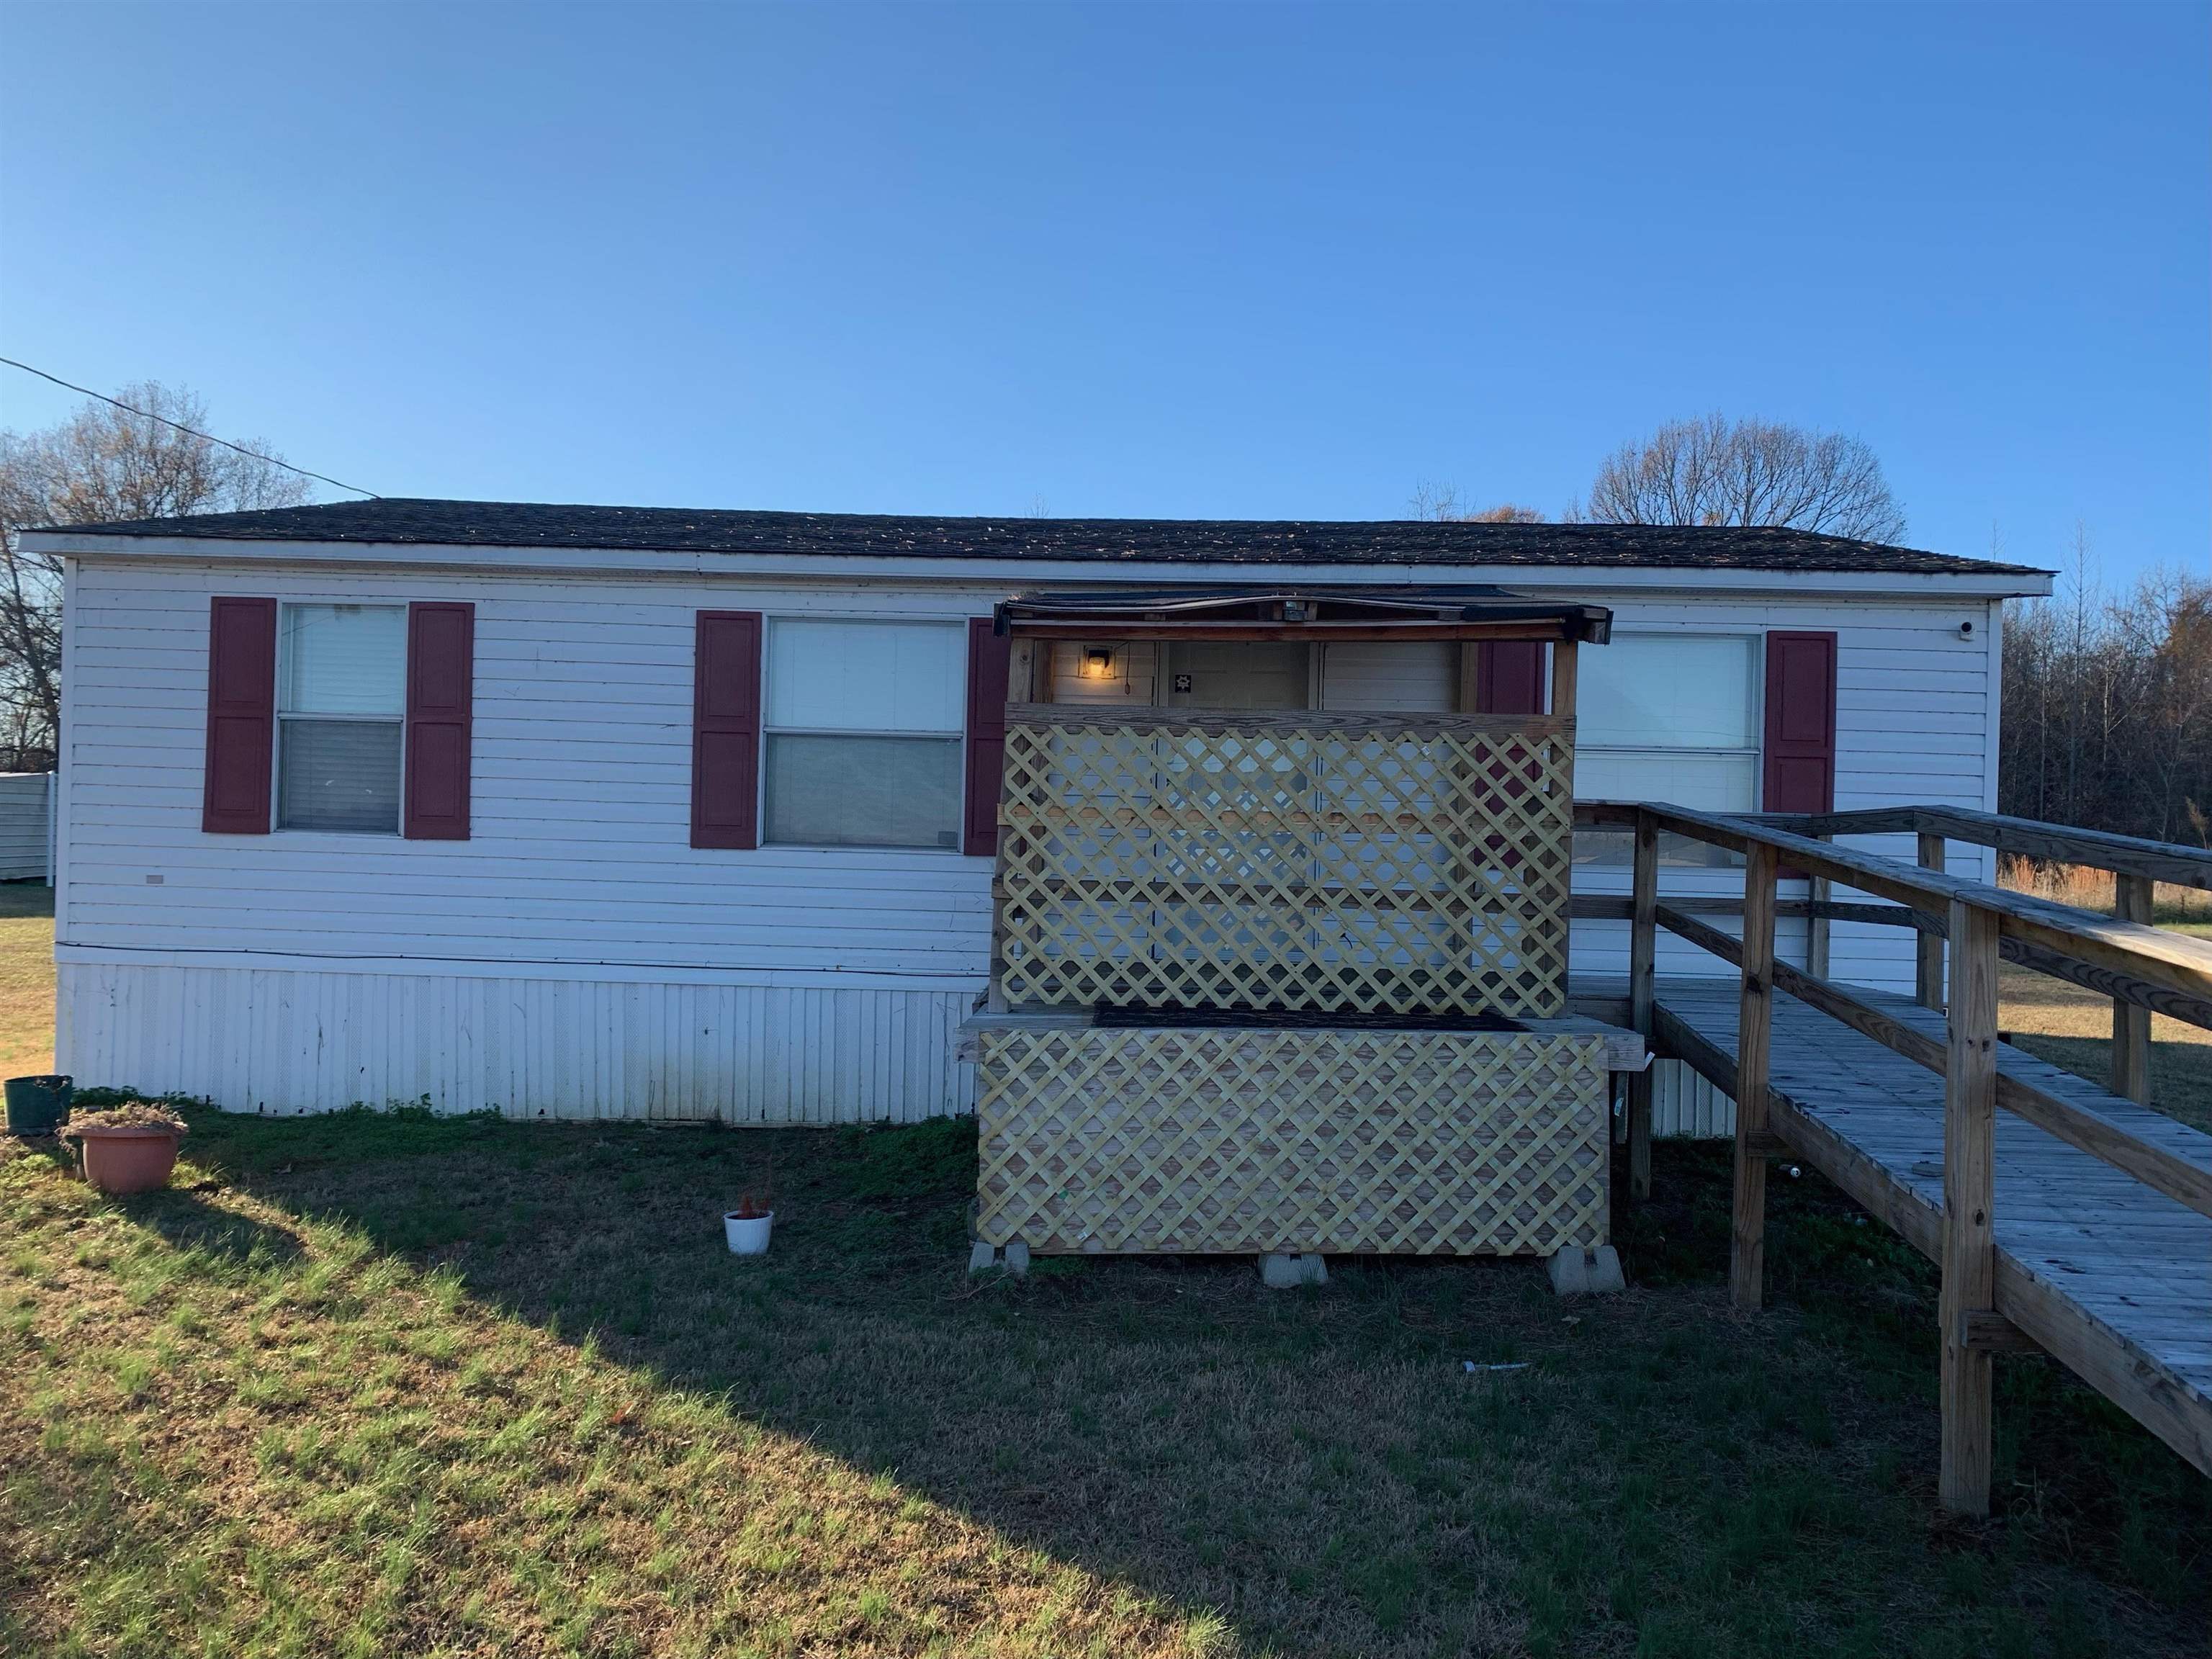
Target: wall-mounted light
[[1099, 662]]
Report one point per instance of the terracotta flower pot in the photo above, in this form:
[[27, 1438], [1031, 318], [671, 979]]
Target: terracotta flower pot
[[124, 1159]]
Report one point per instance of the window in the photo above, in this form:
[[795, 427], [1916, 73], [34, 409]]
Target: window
[[1672, 718], [863, 723], [341, 714]]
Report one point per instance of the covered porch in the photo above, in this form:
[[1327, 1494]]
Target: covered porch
[[1288, 979]]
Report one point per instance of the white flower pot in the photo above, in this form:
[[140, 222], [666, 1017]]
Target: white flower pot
[[748, 1235]]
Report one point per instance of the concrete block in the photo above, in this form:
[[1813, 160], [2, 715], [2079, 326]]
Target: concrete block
[[1018, 1258], [1579, 1272], [1605, 1274], [982, 1257], [1569, 1271], [1280, 1272]]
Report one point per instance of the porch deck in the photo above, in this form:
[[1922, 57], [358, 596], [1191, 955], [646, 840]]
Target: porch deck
[[2102, 1271]]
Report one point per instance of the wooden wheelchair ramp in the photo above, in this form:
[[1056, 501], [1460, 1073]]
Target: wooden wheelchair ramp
[[2102, 1271]]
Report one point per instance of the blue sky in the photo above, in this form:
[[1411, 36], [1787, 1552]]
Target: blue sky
[[1233, 261]]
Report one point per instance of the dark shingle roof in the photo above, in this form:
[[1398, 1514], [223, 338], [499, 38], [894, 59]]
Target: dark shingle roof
[[1102, 541]]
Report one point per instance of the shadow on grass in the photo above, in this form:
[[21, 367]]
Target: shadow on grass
[[1663, 1477], [178, 1213], [186, 1222]]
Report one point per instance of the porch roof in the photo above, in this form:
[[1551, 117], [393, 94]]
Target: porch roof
[[1264, 611]]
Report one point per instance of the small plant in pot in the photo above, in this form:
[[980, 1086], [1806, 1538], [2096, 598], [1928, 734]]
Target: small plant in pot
[[747, 1227], [130, 1148]]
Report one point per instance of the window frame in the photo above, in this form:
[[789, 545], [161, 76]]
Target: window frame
[[772, 624], [277, 824]]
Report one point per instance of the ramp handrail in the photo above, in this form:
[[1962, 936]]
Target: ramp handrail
[[2137, 964]]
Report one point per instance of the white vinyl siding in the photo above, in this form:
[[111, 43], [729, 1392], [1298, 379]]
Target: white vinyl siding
[[1417, 677], [580, 873], [1258, 674], [580, 783], [1916, 707], [1126, 680]]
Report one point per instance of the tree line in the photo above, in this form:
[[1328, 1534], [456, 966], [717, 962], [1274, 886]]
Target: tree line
[[2108, 705], [103, 464]]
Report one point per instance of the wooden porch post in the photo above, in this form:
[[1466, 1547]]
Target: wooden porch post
[[1755, 1036], [1819, 889], [1643, 997], [1562, 680], [1970, 1107], [1927, 953], [2132, 898]]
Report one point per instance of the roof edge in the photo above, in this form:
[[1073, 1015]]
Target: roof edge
[[1976, 580], [1381, 543]]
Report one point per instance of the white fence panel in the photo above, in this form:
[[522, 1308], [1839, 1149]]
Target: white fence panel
[[26, 826]]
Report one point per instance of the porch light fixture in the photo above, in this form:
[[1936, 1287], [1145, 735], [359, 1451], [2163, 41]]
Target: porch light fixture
[[1098, 663]]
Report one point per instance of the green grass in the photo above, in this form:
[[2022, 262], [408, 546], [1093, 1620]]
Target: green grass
[[380, 1383]]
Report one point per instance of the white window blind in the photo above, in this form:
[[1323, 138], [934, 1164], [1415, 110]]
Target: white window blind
[[345, 659], [1667, 691], [865, 677], [341, 711], [1668, 718], [864, 730]]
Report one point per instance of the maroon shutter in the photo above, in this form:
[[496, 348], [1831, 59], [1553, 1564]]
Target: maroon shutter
[[1801, 723], [725, 698], [440, 693], [241, 716], [1510, 677], [990, 660]]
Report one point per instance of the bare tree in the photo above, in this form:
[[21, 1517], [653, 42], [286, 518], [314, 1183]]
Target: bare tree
[[102, 463], [1715, 471], [2108, 704], [1441, 502]]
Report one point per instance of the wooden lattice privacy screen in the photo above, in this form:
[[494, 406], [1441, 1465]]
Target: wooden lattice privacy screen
[[1234, 1140], [1368, 862]]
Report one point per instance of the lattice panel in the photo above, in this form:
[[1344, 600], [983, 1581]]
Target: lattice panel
[[1232, 1141], [1339, 862]]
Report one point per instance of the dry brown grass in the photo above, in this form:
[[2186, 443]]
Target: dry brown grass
[[2092, 890], [2072, 1027], [26, 979]]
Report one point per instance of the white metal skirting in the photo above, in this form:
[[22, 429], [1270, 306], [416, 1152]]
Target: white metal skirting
[[288, 1041], [1683, 1104]]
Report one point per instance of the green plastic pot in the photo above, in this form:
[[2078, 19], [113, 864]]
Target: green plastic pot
[[37, 1105]]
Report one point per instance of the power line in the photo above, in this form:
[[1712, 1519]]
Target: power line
[[148, 414]]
